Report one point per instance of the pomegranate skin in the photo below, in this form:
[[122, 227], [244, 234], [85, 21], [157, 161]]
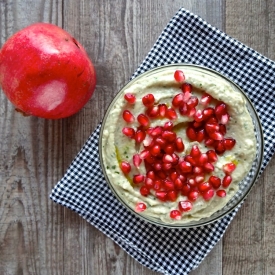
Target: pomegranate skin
[[45, 72]]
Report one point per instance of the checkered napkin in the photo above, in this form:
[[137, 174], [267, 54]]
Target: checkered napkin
[[187, 38]]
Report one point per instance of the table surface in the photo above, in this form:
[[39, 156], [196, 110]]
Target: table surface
[[38, 236]]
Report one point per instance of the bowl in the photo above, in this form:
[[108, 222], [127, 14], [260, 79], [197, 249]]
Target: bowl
[[146, 183]]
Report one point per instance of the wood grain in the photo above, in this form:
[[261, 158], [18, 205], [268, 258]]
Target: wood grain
[[40, 237]]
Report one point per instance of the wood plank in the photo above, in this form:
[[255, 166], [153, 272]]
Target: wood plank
[[248, 246]]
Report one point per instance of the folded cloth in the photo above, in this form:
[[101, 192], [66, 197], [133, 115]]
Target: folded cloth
[[187, 38]]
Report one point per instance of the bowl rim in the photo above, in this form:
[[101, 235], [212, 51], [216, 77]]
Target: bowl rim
[[196, 223]]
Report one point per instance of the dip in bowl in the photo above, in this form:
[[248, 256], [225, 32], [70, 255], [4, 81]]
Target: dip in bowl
[[181, 145]]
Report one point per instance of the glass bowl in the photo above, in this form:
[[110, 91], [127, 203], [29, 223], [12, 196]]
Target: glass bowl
[[110, 157]]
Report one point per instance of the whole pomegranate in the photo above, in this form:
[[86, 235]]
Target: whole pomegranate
[[45, 72]]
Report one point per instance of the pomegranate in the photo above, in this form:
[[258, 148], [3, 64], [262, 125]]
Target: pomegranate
[[46, 72]]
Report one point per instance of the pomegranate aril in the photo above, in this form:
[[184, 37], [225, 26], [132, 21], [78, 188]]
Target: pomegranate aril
[[140, 207], [185, 206], [220, 110], [193, 195], [161, 195], [219, 147], [226, 181], [172, 196], [168, 185], [157, 165], [169, 149], [157, 185], [130, 98], [204, 186], [161, 174], [128, 116], [144, 154], [229, 143], [186, 87], [183, 109], [185, 166], [192, 102], [144, 191], [148, 100], [177, 100], [191, 133], [208, 167], [156, 131], [138, 179], [175, 158], [198, 117], [140, 136], [175, 214], [162, 110], [153, 111], [171, 113], [179, 76], [195, 151], [179, 144], [155, 150], [209, 142], [178, 184], [224, 119], [186, 97], [169, 135], [191, 182], [212, 156], [222, 129], [221, 193], [228, 168], [200, 135], [199, 179], [149, 183], [197, 124], [185, 189], [167, 158], [216, 136], [203, 159], [129, 132], [137, 160], [208, 195], [168, 126], [208, 112], [197, 170], [166, 166], [125, 167], [143, 120], [215, 181], [191, 112], [190, 159], [151, 174], [173, 175], [206, 99], [211, 127]]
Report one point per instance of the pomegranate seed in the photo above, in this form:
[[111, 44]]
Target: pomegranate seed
[[185, 166], [144, 154], [206, 99], [191, 133], [208, 167], [211, 127], [203, 159], [229, 143], [198, 117], [128, 116], [221, 193], [129, 132], [167, 158], [157, 165], [185, 189], [179, 145], [222, 129], [137, 160], [204, 186], [149, 159], [148, 141], [168, 126], [193, 195], [130, 98], [148, 100], [209, 142], [208, 112], [155, 150], [185, 206], [140, 207], [219, 147], [173, 175], [169, 135], [177, 100], [161, 142], [144, 191], [161, 195], [140, 136], [224, 118], [153, 111], [175, 214], [168, 185], [216, 136], [179, 76], [161, 174], [172, 196], [212, 156], [220, 110], [186, 87], [149, 183], [200, 135], [228, 168], [151, 174], [192, 102], [171, 113], [166, 166], [125, 167], [197, 170], [212, 120], [183, 109], [143, 120], [178, 184], [186, 96], [191, 112], [156, 131], [208, 195], [199, 179], [175, 158], [162, 110], [138, 178], [197, 124], [190, 159], [215, 181], [226, 181], [195, 151], [157, 185]]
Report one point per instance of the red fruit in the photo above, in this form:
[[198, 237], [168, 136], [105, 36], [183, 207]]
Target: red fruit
[[138, 179], [190, 159], [209, 142], [175, 214], [183, 109], [161, 195], [168, 126], [151, 174], [206, 99], [197, 170], [179, 76], [140, 207], [130, 98], [208, 195], [221, 193], [167, 158], [137, 160], [162, 109], [156, 131], [200, 135], [179, 145], [222, 129], [172, 196], [216, 136], [186, 87], [166, 166], [228, 168], [153, 111], [229, 143], [169, 135], [226, 181], [129, 132], [144, 191], [219, 147], [203, 159], [178, 184], [198, 117], [204, 186], [36, 77], [149, 183], [143, 120], [161, 142], [211, 127], [157, 185], [195, 151], [155, 150], [171, 113], [148, 100], [215, 181], [212, 156], [192, 102], [224, 118], [125, 167], [191, 133], [168, 185], [185, 206], [128, 116], [208, 167], [185, 189], [140, 136], [185, 166], [169, 148], [220, 110], [193, 195], [208, 112], [144, 154], [177, 100]]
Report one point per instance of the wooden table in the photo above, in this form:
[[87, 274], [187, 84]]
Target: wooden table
[[39, 237]]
